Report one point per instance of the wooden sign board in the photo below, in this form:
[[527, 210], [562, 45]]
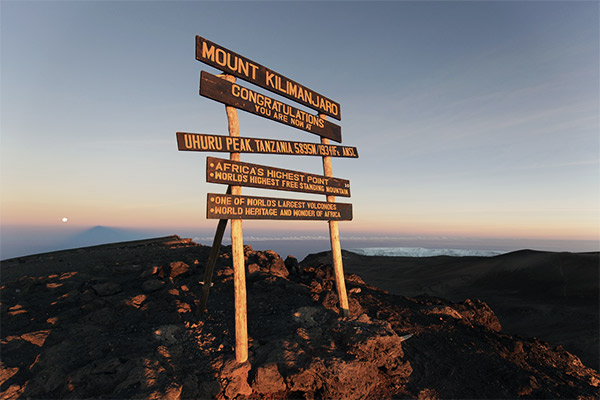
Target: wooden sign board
[[227, 206], [231, 144], [232, 63], [257, 103], [229, 172]]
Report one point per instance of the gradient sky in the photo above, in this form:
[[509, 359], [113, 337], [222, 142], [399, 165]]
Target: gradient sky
[[477, 119]]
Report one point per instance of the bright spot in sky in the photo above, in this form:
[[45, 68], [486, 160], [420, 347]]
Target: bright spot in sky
[[65, 219]]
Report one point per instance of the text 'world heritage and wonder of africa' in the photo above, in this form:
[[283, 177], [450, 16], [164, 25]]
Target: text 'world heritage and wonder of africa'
[[226, 206]]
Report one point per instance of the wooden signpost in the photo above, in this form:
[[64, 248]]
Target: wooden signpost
[[227, 144], [219, 170], [257, 103], [235, 173], [224, 206], [232, 63]]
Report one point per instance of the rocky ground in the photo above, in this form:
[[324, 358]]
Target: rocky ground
[[554, 296], [119, 321]]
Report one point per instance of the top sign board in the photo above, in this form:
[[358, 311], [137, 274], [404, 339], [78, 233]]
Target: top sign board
[[232, 63], [256, 103]]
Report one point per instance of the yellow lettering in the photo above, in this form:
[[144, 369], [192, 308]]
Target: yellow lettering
[[233, 67], [301, 93], [208, 52], [220, 53], [269, 78], [292, 89], [254, 68], [243, 69]]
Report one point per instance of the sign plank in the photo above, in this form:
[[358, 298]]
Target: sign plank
[[227, 206], [232, 63], [227, 144], [229, 172], [256, 103]]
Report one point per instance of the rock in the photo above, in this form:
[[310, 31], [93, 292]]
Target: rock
[[149, 272], [105, 366], [308, 316], [303, 381], [268, 380], [225, 271], [278, 268], [6, 373], [341, 380], [479, 313], [444, 310], [428, 394], [172, 392], [106, 289], [152, 285], [73, 335], [252, 268], [208, 389], [291, 263], [37, 338], [178, 268], [13, 392], [235, 378], [166, 334]]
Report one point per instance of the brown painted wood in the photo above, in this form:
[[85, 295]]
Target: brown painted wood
[[232, 63], [219, 170], [222, 206], [336, 249], [237, 249], [210, 264], [226, 144], [256, 103]]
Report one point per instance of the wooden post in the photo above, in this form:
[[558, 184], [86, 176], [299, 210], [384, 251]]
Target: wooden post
[[210, 264], [334, 237], [237, 250]]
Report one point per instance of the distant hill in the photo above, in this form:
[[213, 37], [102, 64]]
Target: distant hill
[[101, 235], [551, 295], [19, 241]]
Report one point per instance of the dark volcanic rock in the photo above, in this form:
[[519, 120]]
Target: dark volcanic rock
[[152, 285], [129, 330], [106, 289]]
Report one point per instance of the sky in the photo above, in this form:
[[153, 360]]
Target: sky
[[475, 120]]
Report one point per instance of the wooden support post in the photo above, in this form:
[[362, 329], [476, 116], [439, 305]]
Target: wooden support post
[[237, 250], [334, 237], [210, 264]]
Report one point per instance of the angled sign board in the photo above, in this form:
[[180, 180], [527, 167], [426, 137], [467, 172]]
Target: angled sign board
[[229, 172], [232, 63], [257, 103], [228, 144], [227, 206]]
